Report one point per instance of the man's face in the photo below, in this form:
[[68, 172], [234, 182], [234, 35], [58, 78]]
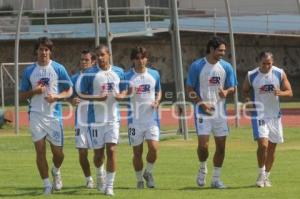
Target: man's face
[[140, 61], [86, 61], [219, 52], [43, 54], [266, 63], [102, 57]]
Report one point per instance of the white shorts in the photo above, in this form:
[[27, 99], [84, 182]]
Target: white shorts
[[51, 128], [215, 125], [137, 133], [83, 137], [102, 134], [268, 128]]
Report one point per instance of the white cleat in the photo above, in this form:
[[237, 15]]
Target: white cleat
[[149, 179], [48, 190], [260, 182], [218, 185], [109, 191], [201, 178], [57, 181], [267, 182], [101, 183], [90, 184], [140, 185]]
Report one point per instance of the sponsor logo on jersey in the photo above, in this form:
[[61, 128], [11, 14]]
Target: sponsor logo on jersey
[[44, 81], [144, 88], [268, 88], [109, 87], [214, 81]]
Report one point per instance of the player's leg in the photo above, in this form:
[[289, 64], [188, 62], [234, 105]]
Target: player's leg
[[269, 162], [220, 142], [262, 148], [137, 161], [202, 152], [151, 158], [100, 171], [42, 164], [57, 159], [85, 166], [111, 165]]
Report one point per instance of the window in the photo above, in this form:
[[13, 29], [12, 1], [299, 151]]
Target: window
[[65, 4]]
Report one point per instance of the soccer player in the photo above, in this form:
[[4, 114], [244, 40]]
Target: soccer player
[[144, 90], [102, 85], [44, 83], [210, 80], [266, 83], [5, 116], [82, 131]]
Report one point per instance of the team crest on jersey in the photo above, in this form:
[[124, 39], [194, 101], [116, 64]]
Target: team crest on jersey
[[109, 87], [214, 80], [268, 88], [44, 81], [143, 88]]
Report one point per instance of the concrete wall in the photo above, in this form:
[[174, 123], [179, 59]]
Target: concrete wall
[[286, 52]]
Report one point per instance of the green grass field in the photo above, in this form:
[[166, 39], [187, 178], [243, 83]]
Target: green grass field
[[174, 172]]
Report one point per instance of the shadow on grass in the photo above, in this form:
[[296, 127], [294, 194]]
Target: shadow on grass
[[209, 188]]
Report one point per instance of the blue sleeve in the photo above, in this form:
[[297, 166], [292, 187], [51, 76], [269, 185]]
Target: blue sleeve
[[25, 82], [193, 74], [74, 79], [65, 81], [230, 80], [122, 85], [157, 83]]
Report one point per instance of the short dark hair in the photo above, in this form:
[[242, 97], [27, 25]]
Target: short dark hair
[[265, 54], [88, 51], [44, 41], [215, 42], [138, 50], [101, 47]]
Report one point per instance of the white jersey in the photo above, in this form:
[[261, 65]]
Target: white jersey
[[206, 79], [54, 77], [99, 82], [144, 87], [264, 84]]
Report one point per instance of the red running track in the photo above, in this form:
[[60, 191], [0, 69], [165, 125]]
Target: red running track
[[290, 118]]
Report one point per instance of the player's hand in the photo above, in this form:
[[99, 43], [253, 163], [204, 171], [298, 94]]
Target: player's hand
[[119, 96], [39, 89], [223, 93], [277, 92], [155, 104], [76, 101], [50, 98], [208, 108]]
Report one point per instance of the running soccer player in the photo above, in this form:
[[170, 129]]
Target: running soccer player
[[102, 85], [267, 83], [44, 83], [144, 92], [210, 80]]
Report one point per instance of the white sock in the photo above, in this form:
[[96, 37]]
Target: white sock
[[217, 173], [110, 177], [100, 170], [267, 174], [47, 182], [55, 170], [139, 175], [89, 178], [262, 170], [149, 167], [203, 165]]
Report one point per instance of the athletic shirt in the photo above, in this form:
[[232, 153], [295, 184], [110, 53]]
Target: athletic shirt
[[98, 82], [206, 79], [54, 77], [144, 87], [263, 84]]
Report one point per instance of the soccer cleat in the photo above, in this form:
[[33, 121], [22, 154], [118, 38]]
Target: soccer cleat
[[260, 182], [109, 191], [218, 185], [90, 184], [101, 182], [140, 185], [267, 182], [201, 177], [57, 181], [149, 179], [48, 190]]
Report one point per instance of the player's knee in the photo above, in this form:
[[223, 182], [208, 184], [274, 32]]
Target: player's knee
[[110, 150], [263, 147], [202, 149], [220, 151]]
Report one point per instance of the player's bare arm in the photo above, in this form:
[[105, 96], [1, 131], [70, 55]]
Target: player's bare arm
[[50, 98], [286, 89]]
